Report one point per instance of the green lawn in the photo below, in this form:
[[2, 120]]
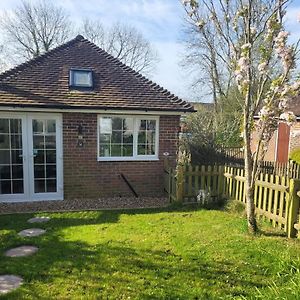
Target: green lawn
[[182, 253]]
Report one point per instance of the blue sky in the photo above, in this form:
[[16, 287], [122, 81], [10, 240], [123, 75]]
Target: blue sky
[[161, 22]]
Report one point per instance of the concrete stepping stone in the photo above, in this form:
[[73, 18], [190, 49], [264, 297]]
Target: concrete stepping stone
[[21, 251], [9, 283], [31, 232], [39, 220]]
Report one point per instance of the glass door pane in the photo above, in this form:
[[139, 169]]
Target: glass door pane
[[44, 155], [11, 156]]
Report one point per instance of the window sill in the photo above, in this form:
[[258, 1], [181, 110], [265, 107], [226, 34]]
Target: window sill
[[127, 159]]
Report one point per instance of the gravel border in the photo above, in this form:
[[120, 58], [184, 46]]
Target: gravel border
[[84, 204]]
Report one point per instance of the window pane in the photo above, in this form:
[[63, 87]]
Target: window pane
[[38, 126], [116, 137], [5, 172], [151, 125], [128, 138], [128, 124], [50, 142], [51, 126], [150, 149], [39, 156], [17, 172], [38, 142], [105, 150], [116, 150], [142, 137], [127, 150], [117, 123], [51, 156], [142, 125], [18, 187], [4, 157], [15, 126], [16, 141], [51, 171], [82, 78], [5, 187], [51, 185], [4, 141], [4, 127], [105, 138], [16, 157], [39, 171], [39, 186], [105, 125], [141, 149]]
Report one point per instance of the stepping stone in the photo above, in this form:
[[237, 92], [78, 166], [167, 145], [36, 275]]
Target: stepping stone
[[21, 251], [31, 232], [39, 220], [9, 283]]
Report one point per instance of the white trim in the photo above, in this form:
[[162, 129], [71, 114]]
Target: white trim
[[135, 156], [28, 175], [95, 111]]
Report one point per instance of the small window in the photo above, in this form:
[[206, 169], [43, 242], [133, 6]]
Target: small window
[[81, 78]]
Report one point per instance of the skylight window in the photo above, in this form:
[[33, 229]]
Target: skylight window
[[81, 78]]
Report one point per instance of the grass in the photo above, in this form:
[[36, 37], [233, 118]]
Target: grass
[[182, 253]]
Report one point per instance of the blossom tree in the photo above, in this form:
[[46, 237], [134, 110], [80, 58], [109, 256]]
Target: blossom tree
[[263, 64]]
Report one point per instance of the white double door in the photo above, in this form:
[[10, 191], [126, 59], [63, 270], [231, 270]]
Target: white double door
[[31, 158]]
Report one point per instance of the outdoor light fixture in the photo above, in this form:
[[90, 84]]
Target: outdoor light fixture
[[80, 136]]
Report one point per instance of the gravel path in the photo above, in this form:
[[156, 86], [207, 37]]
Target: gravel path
[[80, 204]]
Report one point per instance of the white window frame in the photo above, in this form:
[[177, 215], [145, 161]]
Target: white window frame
[[135, 156]]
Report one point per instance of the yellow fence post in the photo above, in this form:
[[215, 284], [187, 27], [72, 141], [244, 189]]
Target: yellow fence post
[[180, 183], [293, 208]]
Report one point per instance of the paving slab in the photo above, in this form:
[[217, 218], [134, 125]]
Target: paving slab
[[39, 220], [31, 232], [9, 283], [21, 251]]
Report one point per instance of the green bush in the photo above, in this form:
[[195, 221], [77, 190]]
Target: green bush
[[295, 155]]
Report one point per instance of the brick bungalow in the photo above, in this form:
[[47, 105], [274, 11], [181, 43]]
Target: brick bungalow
[[77, 123], [286, 138]]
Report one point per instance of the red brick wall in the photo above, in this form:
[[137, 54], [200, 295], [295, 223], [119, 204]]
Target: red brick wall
[[85, 177]]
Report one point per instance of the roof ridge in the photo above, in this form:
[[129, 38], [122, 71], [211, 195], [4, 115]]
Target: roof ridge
[[156, 87], [16, 69]]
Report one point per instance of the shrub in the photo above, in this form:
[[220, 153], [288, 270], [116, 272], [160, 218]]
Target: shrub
[[295, 155]]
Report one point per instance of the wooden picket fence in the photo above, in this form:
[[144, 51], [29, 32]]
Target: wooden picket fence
[[276, 197], [289, 169]]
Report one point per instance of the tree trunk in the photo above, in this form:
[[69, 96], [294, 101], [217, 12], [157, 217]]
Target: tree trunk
[[249, 184]]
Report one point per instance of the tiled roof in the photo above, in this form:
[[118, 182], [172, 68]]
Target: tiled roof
[[44, 82]]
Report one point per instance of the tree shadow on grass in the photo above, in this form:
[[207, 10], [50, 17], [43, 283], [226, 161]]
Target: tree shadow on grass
[[69, 270]]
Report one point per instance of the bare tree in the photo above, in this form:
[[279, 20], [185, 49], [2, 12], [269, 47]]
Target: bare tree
[[33, 29], [3, 64], [123, 42]]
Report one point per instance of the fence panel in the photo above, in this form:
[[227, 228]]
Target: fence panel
[[270, 194], [276, 198]]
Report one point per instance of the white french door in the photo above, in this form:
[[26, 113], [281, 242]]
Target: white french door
[[31, 162]]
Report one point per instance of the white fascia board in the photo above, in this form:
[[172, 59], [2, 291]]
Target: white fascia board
[[96, 111]]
